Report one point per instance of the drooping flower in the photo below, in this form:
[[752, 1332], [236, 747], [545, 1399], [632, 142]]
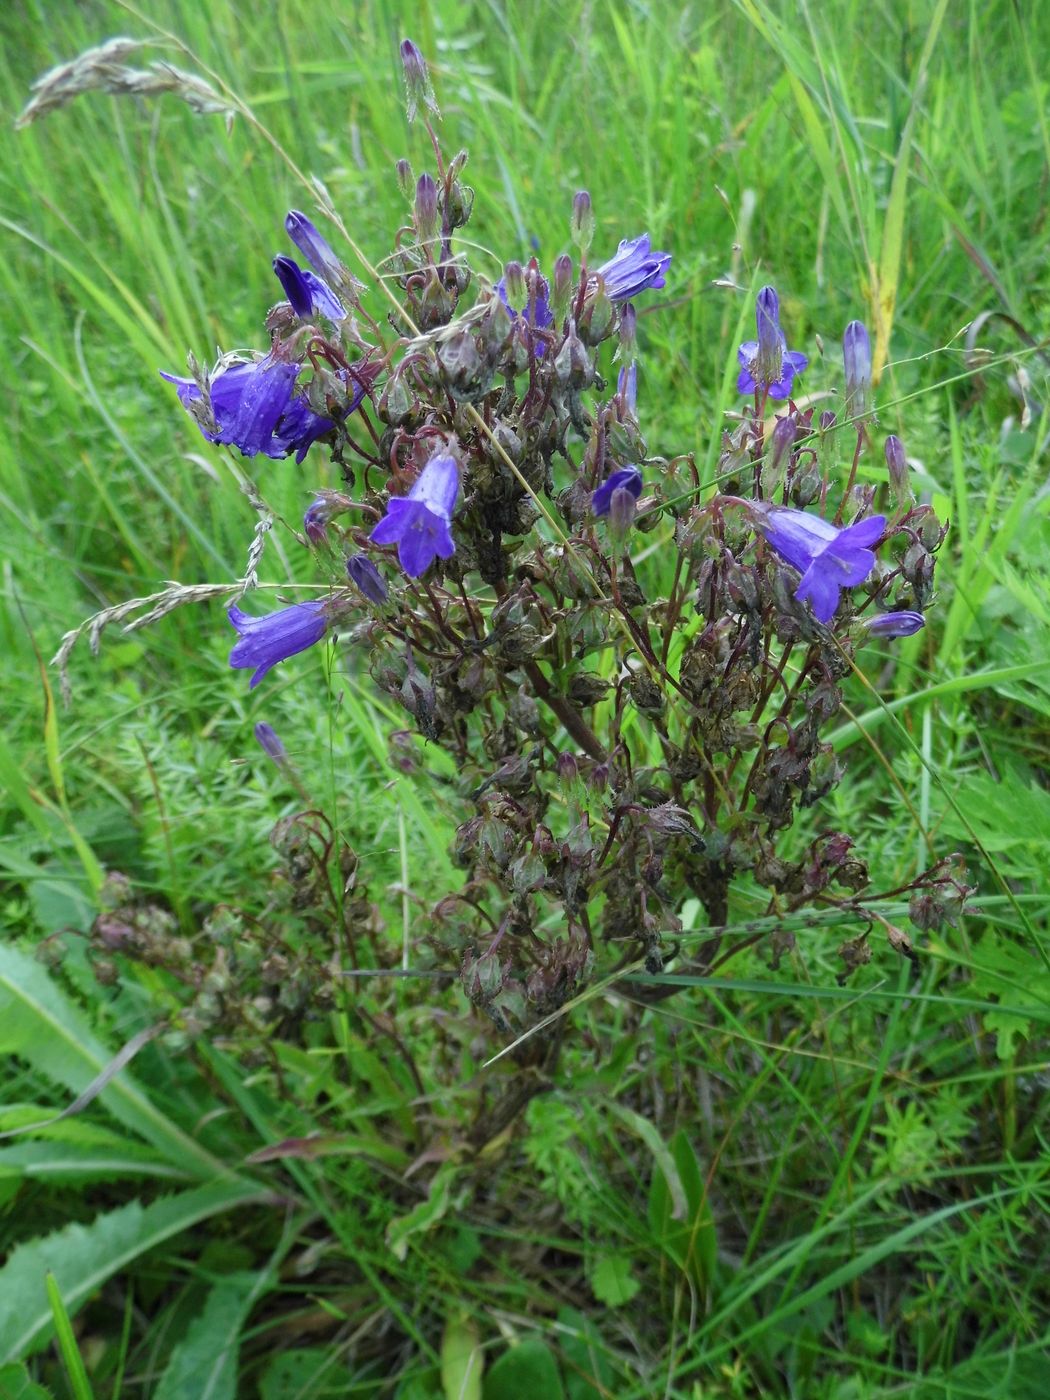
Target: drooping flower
[[766, 363], [829, 557], [308, 294], [633, 268], [256, 409], [265, 641], [363, 572], [895, 624], [627, 479], [419, 522]]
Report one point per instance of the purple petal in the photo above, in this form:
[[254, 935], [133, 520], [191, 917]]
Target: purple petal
[[292, 279], [821, 590], [400, 515], [438, 485], [324, 299], [624, 479]]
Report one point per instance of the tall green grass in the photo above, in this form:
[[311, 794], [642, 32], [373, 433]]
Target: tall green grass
[[765, 1185]]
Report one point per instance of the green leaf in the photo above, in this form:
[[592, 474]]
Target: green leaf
[[66, 1162], [42, 1026], [588, 1375], [529, 1369], [424, 1216], [15, 1384], [612, 1280], [690, 1242], [67, 1343], [204, 1364], [295, 1374], [83, 1257], [462, 1362]]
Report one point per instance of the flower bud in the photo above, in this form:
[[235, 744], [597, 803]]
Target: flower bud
[[581, 226], [369, 580], [314, 247], [627, 388], [622, 508], [826, 421], [405, 179], [568, 768], [460, 362], [561, 287], [418, 87], [425, 215], [895, 624], [856, 359], [572, 364], [769, 360], [269, 741], [460, 204], [315, 521]]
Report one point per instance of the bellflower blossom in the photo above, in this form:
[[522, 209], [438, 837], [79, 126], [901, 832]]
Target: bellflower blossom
[[624, 479], [419, 522], [256, 408], [828, 557], [633, 268], [767, 363], [895, 624], [308, 294], [265, 641]]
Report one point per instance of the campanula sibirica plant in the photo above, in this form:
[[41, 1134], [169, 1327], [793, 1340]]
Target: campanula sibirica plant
[[632, 668]]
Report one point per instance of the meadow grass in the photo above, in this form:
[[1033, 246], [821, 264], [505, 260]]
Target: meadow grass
[[767, 1184]]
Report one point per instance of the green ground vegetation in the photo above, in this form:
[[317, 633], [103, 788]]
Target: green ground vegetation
[[767, 1184]]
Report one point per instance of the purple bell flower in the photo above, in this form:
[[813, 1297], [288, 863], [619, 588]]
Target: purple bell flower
[[624, 479], [828, 557], [895, 624], [767, 363], [633, 268], [264, 641], [308, 294], [419, 522], [256, 409]]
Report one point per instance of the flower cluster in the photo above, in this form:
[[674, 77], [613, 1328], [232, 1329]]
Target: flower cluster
[[631, 670]]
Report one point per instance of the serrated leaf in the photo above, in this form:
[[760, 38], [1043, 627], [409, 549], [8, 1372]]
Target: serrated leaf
[[529, 1369], [204, 1364], [462, 1362], [612, 1281], [16, 1384], [83, 1257], [39, 1023]]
